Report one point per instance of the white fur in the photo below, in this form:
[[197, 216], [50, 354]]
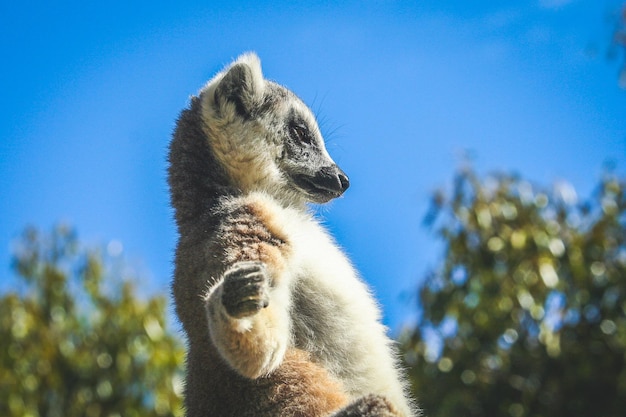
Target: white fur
[[355, 347], [318, 262]]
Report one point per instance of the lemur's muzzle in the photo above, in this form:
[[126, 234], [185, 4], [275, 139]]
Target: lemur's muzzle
[[332, 179], [327, 183]]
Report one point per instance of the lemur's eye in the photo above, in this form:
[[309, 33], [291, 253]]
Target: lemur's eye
[[300, 133]]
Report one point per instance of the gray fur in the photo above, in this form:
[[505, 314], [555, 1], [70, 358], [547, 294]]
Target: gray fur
[[278, 322]]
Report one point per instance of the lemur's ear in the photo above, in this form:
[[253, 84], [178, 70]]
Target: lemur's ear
[[242, 84]]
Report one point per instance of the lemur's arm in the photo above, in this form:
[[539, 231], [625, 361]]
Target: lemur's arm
[[248, 307]]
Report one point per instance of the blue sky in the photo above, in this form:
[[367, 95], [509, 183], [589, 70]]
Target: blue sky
[[90, 94]]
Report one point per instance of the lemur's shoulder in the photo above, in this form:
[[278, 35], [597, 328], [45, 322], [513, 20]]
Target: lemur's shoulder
[[257, 218]]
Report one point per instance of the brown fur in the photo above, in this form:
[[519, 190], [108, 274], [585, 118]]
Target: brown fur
[[298, 387], [250, 234], [220, 227]]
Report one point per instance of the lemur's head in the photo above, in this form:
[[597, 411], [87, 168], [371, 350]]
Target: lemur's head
[[266, 137]]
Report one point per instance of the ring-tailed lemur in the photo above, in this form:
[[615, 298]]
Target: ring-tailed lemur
[[278, 322]]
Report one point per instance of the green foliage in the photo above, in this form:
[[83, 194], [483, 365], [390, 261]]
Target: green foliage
[[77, 340], [526, 316]]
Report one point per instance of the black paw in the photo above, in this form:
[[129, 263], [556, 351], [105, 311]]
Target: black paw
[[245, 289]]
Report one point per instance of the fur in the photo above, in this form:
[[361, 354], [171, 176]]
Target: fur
[[277, 320]]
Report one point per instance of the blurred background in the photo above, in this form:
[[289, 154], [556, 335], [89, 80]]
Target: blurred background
[[420, 102]]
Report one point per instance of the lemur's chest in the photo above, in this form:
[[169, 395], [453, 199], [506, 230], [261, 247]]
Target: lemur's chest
[[323, 281]]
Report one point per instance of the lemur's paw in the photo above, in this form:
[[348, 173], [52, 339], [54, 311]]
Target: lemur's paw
[[245, 289]]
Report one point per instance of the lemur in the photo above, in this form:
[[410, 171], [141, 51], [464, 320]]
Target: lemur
[[278, 323]]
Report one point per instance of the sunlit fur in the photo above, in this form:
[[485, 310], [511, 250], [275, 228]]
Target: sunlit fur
[[313, 344], [249, 149]]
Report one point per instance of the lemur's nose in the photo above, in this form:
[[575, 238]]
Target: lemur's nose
[[332, 178], [343, 179]]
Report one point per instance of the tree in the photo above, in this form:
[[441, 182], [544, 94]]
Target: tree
[[526, 315], [78, 341]]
